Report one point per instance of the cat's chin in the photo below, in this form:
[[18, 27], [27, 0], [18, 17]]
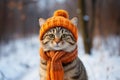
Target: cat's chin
[[57, 48]]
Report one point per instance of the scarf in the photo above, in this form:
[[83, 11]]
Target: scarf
[[54, 60]]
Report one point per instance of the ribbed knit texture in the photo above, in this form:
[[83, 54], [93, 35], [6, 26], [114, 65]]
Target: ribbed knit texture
[[61, 19], [54, 62]]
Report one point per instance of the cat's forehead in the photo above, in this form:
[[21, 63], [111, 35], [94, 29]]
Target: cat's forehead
[[58, 29]]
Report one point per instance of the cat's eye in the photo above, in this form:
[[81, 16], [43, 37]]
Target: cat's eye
[[51, 35], [64, 35]]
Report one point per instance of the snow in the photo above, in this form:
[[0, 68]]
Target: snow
[[19, 59]]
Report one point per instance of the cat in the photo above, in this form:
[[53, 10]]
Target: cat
[[59, 38]]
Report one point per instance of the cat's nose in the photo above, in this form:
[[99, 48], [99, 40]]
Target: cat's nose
[[57, 40]]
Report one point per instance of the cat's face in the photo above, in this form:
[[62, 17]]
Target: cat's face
[[58, 38]]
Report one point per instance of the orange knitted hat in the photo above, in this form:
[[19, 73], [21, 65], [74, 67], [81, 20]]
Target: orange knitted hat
[[61, 19]]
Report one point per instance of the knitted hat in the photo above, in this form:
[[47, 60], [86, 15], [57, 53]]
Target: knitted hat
[[61, 19]]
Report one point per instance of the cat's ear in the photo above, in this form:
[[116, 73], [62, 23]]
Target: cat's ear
[[74, 20], [41, 21]]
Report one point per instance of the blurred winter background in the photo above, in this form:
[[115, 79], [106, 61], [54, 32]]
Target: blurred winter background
[[99, 36]]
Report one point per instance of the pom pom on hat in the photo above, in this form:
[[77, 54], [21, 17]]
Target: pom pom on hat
[[62, 13]]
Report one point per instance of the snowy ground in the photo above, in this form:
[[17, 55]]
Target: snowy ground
[[19, 59]]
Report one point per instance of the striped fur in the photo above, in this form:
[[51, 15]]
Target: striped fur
[[59, 38]]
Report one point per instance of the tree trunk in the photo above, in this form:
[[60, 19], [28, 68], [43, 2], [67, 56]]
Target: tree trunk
[[83, 27], [2, 18]]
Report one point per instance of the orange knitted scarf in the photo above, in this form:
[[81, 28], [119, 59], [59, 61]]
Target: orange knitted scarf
[[54, 62]]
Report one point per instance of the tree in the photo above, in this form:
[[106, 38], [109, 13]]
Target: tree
[[104, 20], [85, 28]]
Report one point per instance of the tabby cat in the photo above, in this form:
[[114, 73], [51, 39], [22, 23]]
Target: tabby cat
[[59, 38]]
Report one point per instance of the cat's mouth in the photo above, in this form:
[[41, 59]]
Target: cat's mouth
[[57, 46]]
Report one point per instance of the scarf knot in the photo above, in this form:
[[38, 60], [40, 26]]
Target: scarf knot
[[54, 60]]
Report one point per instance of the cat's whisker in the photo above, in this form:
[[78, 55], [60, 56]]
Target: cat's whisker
[[59, 38]]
